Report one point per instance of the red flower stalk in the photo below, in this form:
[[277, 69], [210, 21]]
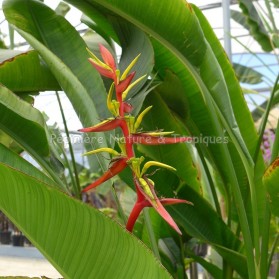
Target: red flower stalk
[[145, 200], [122, 84], [115, 168]]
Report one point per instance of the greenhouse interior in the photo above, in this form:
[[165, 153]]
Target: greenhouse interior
[[139, 139]]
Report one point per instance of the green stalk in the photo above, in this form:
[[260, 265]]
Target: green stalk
[[265, 239], [152, 238], [182, 256], [274, 246], [270, 15], [66, 162], [210, 180], [76, 185]]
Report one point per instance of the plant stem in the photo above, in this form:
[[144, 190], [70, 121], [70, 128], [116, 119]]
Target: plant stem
[[227, 270], [152, 238], [264, 244], [119, 207], [76, 185], [182, 256]]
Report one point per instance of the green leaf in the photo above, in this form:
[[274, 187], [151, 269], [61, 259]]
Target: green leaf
[[26, 126], [271, 178], [16, 162], [240, 18], [244, 121], [77, 239], [25, 66], [98, 22], [23, 123], [256, 26], [151, 17], [247, 75]]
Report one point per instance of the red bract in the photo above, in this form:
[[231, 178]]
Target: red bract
[[122, 86], [127, 107], [104, 126], [107, 56], [143, 200], [115, 168], [103, 71]]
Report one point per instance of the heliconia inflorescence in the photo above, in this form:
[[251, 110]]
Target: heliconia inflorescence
[[121, 118]]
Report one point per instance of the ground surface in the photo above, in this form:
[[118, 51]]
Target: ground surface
[[24, 261]]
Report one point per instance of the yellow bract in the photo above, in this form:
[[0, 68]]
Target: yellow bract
[[157, 164], [125, 93], [103, 149], [97, 60], [126, 72], [140, 117], [112, 105]]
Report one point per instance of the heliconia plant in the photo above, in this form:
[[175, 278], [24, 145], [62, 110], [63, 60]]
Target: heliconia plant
[[131, 134]]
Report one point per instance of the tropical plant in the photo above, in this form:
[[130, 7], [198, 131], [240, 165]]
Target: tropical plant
[[184, 74]]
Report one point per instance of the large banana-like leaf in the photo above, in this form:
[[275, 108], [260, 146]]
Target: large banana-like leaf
[[32, 74], [78, 240], [243, 117]]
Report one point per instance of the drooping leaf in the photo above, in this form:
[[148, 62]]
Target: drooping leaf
[[32, 74], [26, 126], [62, 8], [256, 26], [23, 123], [16, 162], [240, 18], [100, 248], [247, 75]]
